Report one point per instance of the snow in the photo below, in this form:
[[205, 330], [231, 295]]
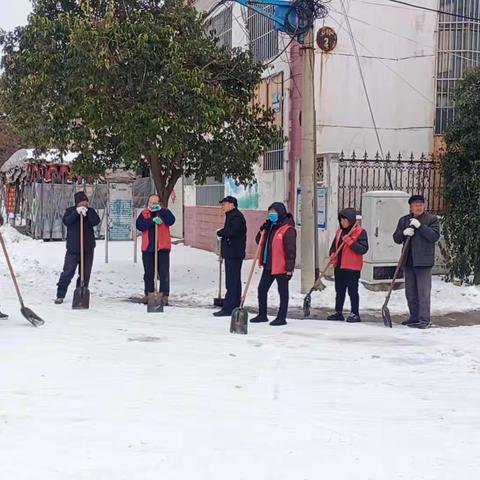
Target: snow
[[116, 393]]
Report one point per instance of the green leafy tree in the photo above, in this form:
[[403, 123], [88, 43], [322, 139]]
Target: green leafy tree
[[461, 171], [135, 83]]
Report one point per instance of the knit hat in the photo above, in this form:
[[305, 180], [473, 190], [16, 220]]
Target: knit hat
[[416, 199], [80, 197]]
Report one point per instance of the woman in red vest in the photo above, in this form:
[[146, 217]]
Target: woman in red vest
[[154, 216], [277, 257], [348, 263]]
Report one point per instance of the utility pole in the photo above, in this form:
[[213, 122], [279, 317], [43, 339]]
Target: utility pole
[[307, 166]]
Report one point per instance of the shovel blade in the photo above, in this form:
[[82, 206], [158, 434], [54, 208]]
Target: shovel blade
[[387, 318], [32, 317], [81, 299], [218, 302], [155, 303], [239, 321], [307, 301]]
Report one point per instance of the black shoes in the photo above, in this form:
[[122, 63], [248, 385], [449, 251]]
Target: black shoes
[[410, 322], [3, 316], [278, 322], [338, 317], [421, 325], [353, 318], [258, 319], [58, 301], [222, 313]]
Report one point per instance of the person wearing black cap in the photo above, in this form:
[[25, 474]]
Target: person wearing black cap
[[71, 220], [233, 237], [424, 231], [277, 256]]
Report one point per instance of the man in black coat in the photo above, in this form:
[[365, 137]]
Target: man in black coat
[[423, 229], [233, 236], [71, 220]]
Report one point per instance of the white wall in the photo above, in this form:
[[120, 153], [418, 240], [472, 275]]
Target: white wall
[[396, 45]]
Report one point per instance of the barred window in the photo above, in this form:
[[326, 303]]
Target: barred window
[[273, 158], [263, 37], [211, 192], [220, 26], [458, 50]]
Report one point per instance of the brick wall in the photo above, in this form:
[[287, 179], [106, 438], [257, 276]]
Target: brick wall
[[202, 222]]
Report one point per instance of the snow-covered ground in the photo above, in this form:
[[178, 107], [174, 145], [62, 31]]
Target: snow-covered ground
[[116, 393]]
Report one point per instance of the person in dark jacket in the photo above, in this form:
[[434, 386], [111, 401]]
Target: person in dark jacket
[[156, 217], [2, 315], [233, 237], [348, 263], [71, 220], [424, 231], [277, 256]]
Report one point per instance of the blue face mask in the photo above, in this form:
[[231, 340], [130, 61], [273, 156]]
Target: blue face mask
[[273, 217]]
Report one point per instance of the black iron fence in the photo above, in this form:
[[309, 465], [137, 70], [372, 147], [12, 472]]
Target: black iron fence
[[414, 176]]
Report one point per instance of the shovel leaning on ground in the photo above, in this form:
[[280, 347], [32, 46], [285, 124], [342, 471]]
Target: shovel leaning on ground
[[239, 321], [387, 318], [155, 298], [81, 295], [31, 316], [319, 285]]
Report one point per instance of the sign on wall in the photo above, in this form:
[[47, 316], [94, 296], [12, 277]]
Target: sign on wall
[[120, 211], [247, 196], [321, 207]]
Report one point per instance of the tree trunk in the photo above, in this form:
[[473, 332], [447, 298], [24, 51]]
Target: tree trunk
[[164, 182]]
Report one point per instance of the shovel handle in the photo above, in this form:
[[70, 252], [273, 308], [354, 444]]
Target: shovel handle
[[10, 268], [252, 269], [155, 278], [82, 255], [397, 270]]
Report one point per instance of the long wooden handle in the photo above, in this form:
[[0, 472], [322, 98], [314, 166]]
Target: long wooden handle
[[252, 269], [220, 264], [10, 268], [82, 257], [156, 259], [397, 270]]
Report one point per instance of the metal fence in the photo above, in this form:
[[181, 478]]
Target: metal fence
[[358, 175]]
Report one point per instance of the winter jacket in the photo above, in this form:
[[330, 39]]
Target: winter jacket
[[350, 257], [279, 243], [146, 225], [233, 235], [422, 244], [71, 219]]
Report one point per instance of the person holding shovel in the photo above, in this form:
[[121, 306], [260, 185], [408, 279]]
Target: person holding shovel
[[423, 229], [277, 254], [233, 237], [152, 218], [71, 220], [346, 254]]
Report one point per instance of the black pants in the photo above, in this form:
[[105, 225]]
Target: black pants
[[72, 261], [233, 283], [347, 280], [148, 259], [264, 286]]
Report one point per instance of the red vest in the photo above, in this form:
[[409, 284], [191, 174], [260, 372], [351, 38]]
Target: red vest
[[277, 250], [351, 260], [164, 239]]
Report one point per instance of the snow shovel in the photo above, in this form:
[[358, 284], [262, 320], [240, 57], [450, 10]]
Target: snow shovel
[[239, 322], [81, 295], [387, 319], [319, 285], [218, 302], [31, 316], [155, 298]]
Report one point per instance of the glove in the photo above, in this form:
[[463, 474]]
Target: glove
[[82, 211], [415, 223], [157, 220], [289, 275], [266, 226], [348, 241], [409, 232], [155, 207], [217, 232]]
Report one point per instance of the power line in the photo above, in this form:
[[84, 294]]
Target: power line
[[428, 9]]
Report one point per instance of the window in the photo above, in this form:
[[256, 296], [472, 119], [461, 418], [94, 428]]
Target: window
[[220, 26], [273, 158], [263, 37], [210, 194], [458, 50]]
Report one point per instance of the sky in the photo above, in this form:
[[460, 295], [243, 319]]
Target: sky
[[14, 13]]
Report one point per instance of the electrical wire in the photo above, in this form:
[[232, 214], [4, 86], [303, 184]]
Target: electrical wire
[[428, 9]]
